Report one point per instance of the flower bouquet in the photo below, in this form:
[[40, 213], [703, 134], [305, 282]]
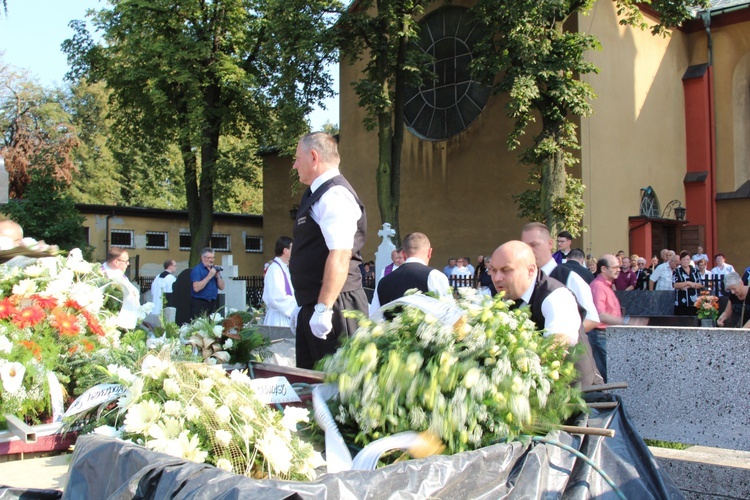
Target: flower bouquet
[[707, 306], [53, 312], [217, 339], [195, 411], [488, 377]]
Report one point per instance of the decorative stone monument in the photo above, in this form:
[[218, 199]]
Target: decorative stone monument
[[383, 255], [4, 182], [235, 293]]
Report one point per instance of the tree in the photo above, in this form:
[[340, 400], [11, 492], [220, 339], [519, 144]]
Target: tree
[[37, 131], [385, 29], [189, 72], [529, 55], [47, 212]]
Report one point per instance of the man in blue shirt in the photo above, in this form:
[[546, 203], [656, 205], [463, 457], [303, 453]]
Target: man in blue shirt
[[207, 281]]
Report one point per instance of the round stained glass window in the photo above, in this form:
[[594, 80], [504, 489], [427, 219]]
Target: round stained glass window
[[448, 104]]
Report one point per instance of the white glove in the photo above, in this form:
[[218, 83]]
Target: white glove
[[293, 320], [321, 324]]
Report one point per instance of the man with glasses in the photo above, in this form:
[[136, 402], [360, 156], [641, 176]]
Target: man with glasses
[[738, 306], [564, 242], [114, 267], [206, 282]]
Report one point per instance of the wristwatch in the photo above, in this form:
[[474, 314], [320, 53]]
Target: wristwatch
[[320, 308]]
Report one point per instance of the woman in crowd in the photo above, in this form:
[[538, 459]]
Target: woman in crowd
[[687, 285], [738, 306]]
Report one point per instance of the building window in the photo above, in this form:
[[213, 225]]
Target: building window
[[186, 241], [254, 244], [86, 235], [121, 238], [220, 242], [157, 240], [447, 105]]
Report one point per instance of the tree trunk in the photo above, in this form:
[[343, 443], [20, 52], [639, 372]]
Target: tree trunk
[[554, 176]]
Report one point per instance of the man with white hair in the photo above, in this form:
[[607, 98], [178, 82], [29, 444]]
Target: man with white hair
[[329, 233], [661, 278]]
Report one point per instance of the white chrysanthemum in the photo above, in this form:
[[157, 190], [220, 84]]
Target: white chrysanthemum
[[247, 432], [191, 448], [173, 408], [293, 415], [230, 397], [171, 387], [25, 288], [239, 376], [209, 402], [5, 345], [225, 464], [109, 431], [276, 451], [78, 266], [224, 414], [153, 367], [248, 412], [140, 416], [167, 428], [206, 385], [192, 413], [11, 375], [87, 296], [223, 437], [34, 271]]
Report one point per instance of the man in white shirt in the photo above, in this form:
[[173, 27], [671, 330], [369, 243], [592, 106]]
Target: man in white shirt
[[537, 236], [699, 255], [329, 233], [163, 284], [661, 278], [114, 267], [413, 273], [278, 294]]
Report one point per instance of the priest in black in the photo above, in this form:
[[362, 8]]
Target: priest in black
[[329, 233], [413, 273], [553, 306]]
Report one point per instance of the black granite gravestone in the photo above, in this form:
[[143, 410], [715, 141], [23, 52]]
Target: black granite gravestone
[[181, 297]]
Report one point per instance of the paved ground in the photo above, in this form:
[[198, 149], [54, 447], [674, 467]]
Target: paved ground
[[40, 473]]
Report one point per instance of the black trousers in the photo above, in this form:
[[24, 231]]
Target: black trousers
[[310, 349], [201, 306]]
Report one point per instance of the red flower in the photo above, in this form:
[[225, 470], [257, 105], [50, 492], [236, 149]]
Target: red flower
[[66, 323], [7, 308], [28, 316], [45, 302], [72, 303], [93, 323], [32, 346]]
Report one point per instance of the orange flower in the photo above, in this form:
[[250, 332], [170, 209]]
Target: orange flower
[[45, 302], [7, 308], [93, 323], [32, 346], [28, 316], [72, 303], [88, 346], [66, 323]]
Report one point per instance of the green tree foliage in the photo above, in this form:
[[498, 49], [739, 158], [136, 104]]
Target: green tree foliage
[[529, 55], [47, 211], [385, 30], [190, 72]]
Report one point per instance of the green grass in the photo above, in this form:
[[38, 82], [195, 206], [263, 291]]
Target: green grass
[[667, 444]]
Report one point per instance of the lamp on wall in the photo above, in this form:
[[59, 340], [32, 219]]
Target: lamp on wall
[[293, 212], [676, 208]]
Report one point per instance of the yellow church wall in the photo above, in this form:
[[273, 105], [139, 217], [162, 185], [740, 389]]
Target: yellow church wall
[[636, 134], [458, 191]]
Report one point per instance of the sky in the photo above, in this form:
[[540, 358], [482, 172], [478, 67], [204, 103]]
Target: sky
[[33, 30]]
